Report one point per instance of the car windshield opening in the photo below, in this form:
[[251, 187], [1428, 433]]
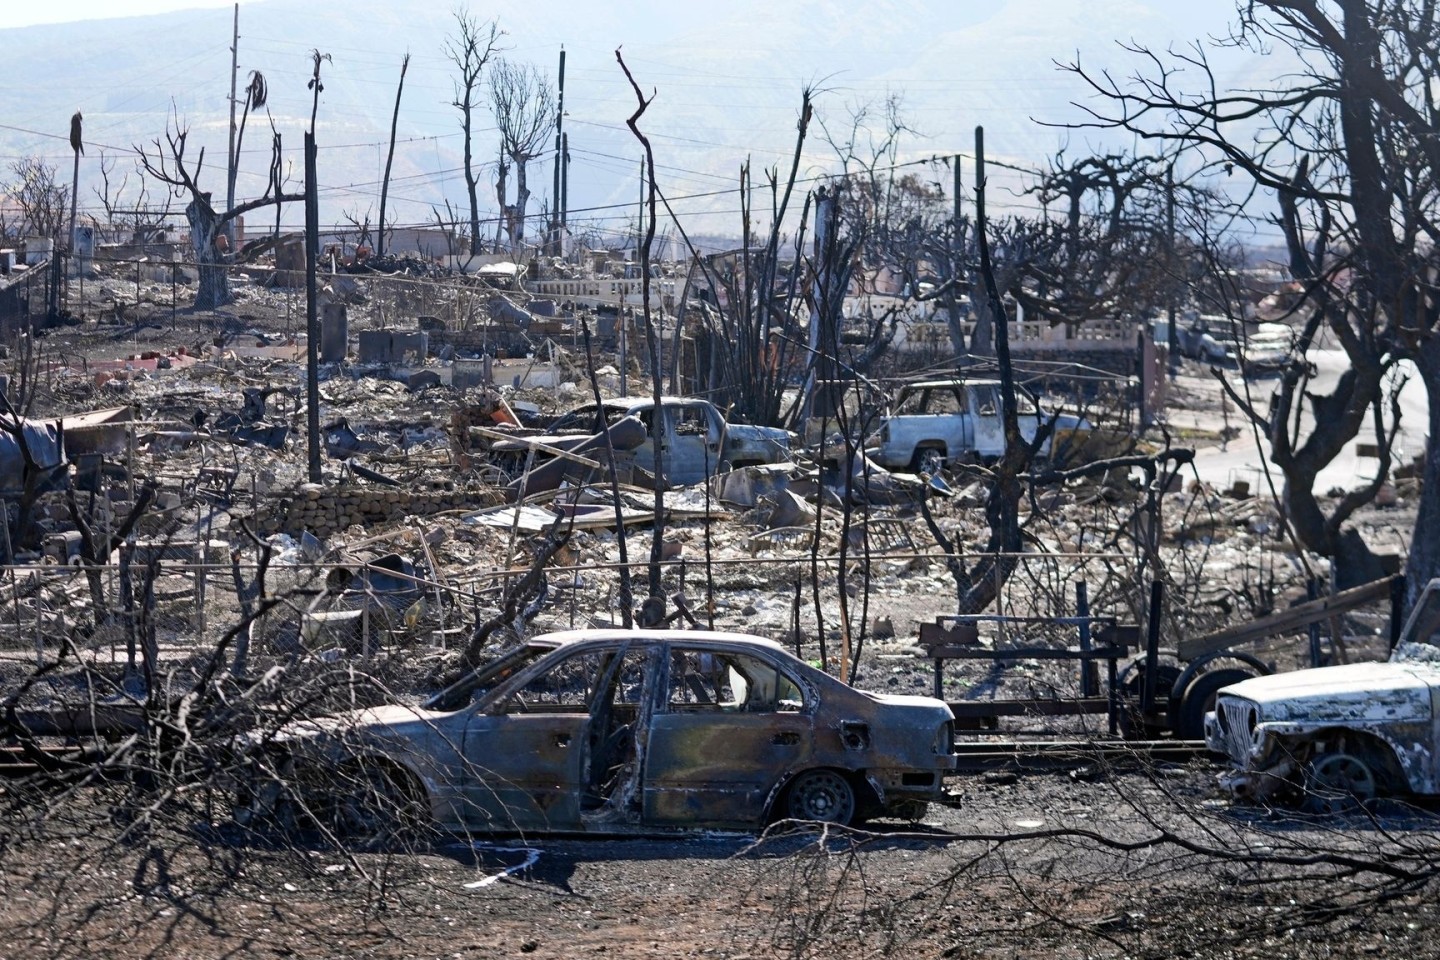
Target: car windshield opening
[[480, 681]]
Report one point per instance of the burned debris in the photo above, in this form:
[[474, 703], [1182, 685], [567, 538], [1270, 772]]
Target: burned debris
[[470, 500]]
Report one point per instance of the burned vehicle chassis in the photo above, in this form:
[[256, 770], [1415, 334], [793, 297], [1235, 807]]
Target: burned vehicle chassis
[[1333, 736], [608, 732]]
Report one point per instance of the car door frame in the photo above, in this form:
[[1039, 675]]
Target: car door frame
[[502, 795], [720, 769]]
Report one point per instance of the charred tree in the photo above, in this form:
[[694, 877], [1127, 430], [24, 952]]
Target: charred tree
[[1351, 148], [523, 101], [390, 159], [470, 49], [167, 163]]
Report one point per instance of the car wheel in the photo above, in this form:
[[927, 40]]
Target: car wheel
[[1338, 782], [370, 805], [823, 796]]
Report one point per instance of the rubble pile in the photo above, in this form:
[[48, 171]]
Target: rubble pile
[[806, 546]]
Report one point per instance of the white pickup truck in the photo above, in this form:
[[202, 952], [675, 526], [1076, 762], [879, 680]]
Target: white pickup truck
[[948, 419], [1330, 736]]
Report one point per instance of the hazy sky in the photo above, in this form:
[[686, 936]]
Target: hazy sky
[[25, 14], [727, 84]]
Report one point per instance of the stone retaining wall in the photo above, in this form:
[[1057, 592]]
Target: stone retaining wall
[[327, 510]]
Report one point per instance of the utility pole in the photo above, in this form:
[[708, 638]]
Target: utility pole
[[956, 188], [312, 320], [564, 179], [557, 220], [819, 366], [77, 144], [952, 300], [1171, 345], [234, 160]]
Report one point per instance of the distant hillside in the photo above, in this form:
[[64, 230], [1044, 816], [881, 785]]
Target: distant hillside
[[726, 83]]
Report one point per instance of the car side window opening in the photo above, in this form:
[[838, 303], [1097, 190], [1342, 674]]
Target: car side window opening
[[691, 422], [989, 402], [704, 680], [474, 687], [567, 687]]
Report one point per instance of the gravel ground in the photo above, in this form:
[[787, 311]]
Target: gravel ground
[[1018, 866]]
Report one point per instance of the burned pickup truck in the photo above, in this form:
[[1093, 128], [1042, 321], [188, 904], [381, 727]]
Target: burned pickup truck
[[695, 440], [946, 420], [610, 732], [1329, 737]]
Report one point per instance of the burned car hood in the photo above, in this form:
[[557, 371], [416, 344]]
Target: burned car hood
[[1356, 691], [388, 720]]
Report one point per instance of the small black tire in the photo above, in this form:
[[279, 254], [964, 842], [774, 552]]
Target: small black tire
[[821, 796], [1199, 699], [1133, 724]]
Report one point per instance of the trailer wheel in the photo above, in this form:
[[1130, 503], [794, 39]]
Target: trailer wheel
[[1199, 699], [1133, 724]]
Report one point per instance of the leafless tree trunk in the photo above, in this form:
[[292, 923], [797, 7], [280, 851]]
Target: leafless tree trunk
[[390, 159], [470, 49], [167, 163], [523, 100], [655, 605]]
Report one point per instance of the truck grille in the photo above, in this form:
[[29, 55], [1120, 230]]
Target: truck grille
[[1237, 720]]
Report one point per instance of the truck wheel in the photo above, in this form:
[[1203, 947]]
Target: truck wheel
[[929, 460], [1199, 699]]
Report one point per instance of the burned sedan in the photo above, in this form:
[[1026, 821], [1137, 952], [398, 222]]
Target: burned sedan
[[1331, 736], [612, 731]]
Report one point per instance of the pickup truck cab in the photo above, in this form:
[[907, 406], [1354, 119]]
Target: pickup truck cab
[[695, 441], [948, 419], [1330, 736]]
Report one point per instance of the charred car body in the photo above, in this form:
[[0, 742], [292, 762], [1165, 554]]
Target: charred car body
[[949, 419], [612, 731], [695, 440], [1333, 735]]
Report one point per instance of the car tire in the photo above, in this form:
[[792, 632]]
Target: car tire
[[370, 805], [821, 796], [930, 460], [1199, 699], [1337, 782]]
